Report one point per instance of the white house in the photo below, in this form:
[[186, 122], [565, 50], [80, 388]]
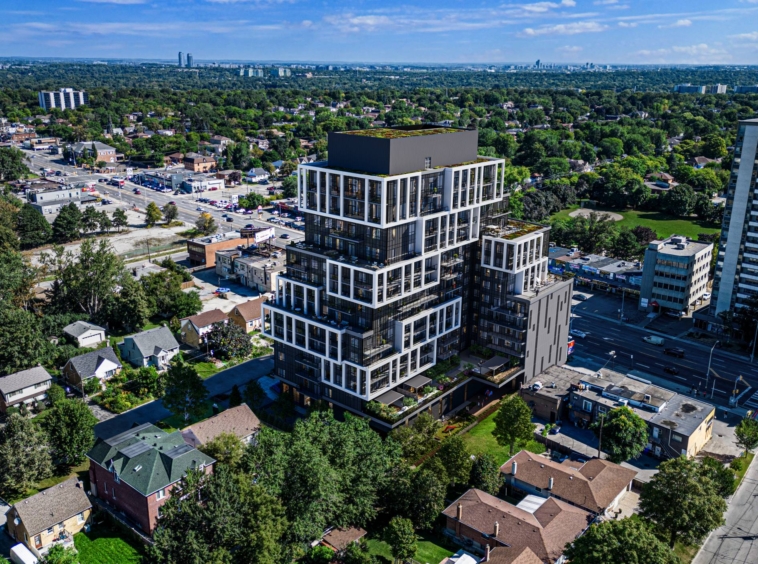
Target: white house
[[257, 174], [28, 386], [86, 334]]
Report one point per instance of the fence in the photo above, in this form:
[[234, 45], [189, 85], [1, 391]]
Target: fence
[[142, 251]]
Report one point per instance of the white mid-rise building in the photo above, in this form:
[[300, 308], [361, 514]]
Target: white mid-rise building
[[63, 99]]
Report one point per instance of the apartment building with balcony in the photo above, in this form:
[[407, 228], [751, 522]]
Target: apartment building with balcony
[[389, 278]]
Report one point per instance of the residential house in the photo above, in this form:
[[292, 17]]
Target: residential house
[[257, 174], [677, 424], [339, 539], [154, 347], [199, 163], [100, 151], [102, 364], [248, 315], [51, 517], [239, 421], [700, 162], [27, 387], [135, 471], [482, 522], [85, 334], [196, 327], [174, 158], [596, 486]]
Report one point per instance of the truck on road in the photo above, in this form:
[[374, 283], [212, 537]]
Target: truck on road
[[653, 340]]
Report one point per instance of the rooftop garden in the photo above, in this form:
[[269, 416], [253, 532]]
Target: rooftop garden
[[513, 230], [391, 133]]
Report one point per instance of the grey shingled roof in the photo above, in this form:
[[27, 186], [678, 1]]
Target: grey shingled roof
[[85, 365], [153, 341], [23, 379], [88, 145], [147, 458], [79, 328], [51, 506]]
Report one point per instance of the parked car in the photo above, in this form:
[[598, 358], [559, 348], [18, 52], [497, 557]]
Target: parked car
[[249, 226], [172, 203], [674, 351], [580, 297], [578, 333], [677, 314], [555, 429], [284, 236], [102, 180], [138, 192], [198, 209], [707, 296], [671, 370], [229, 219]]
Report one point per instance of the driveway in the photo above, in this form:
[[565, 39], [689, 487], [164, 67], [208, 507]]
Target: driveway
[[217, 384], [736, 540]]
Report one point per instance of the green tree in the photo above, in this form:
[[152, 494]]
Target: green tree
[[229, 340], [516, 204], [33, 229], [747, 434], [153, 214], [129, 309], [611, 148], [70, 425], [714, 146], [148, 382], [628, 541], [55, 394], [358, 553], [625, 246], [682, 501], [513, 423], [289, 187], [485, 474], [24, 454], [22, 344], [624, 434], [9, 241], [721, 475], [254, 394], [679, 200], [401, 537], [90, 219], [12, 166], [60, 554], [226, 448], [457, 460], [426, 498], [104, 222], [235, 397], [186, 395], [318, 554], [17, 279], [417, 439], [206, 224], [119, 219], [170, 213], [68, 224], [186, 304]]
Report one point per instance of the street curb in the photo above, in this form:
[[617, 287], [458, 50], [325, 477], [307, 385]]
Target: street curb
[[667, 336]]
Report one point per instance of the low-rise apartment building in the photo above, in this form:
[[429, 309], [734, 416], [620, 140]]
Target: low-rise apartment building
[[136, 471], [203, 249], [199, 163], [674, 274]]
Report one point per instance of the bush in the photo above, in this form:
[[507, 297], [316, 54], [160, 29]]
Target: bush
[[92, 386], [736, 464], [428, 390], [55, 394], [409, 402], [12, 411]]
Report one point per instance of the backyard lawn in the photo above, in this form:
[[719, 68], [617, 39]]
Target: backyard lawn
[[104, 544], [661, 223], [430, 549], [81, 471], [480, 439]]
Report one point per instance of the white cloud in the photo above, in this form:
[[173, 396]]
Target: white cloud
[[678, 23], [120, 2], [627, 24], [570, 49], [700, 53], [540, 7], [564, 29], [752, 36], [605, 2]]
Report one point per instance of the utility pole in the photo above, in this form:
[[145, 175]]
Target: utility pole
[[708, 371], [600, 438]]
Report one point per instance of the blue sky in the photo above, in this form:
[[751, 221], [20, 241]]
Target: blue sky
[[424, 31]]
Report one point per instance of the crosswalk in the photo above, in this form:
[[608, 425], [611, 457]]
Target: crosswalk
[[752, 401]]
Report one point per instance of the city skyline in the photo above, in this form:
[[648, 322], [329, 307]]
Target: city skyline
[[560, 31]]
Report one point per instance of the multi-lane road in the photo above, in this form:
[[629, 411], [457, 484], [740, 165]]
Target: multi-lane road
[[632, 352], [189, 207]]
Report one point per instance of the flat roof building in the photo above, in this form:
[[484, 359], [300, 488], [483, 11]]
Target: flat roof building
[[203, 249], [674, 274], [63, 99]]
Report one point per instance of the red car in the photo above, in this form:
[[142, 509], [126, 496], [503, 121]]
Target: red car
[[213, 188]]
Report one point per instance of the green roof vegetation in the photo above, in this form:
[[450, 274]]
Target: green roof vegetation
[[389, 133]]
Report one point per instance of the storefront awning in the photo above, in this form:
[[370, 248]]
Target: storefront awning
[[389, 398], [417, 382]]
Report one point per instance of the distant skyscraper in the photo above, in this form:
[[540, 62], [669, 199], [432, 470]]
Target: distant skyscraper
[[64, 99], [736, 278], [190, 61], [181, 59], [537, 64]]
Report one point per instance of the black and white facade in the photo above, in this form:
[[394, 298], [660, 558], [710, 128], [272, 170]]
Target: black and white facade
[[63, 99], [387, 281]]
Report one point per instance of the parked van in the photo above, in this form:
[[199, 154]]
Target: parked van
[[653, 340]]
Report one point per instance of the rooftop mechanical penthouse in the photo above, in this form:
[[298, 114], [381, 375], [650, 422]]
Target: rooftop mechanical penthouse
[[410, 257]]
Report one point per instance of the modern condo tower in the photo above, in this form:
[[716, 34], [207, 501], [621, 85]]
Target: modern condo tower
[[409, 258]]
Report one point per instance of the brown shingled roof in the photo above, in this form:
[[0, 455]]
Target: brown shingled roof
[[545, 532], [207, 318], [51, 506], [506, 555], [239, 421], [593, 486], [339, 538], [250, 309]]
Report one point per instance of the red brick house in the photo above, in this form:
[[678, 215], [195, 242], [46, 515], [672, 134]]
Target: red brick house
[[135, 471]]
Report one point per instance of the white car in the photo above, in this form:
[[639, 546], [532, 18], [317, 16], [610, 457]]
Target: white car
[[707, 296], [578, 333]]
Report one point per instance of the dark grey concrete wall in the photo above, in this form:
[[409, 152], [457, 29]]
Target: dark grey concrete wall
[[403, 155], [547, 334]]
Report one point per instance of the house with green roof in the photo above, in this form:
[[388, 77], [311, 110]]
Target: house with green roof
[[135, 471]]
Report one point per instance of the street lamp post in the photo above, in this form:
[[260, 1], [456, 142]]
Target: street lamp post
[[755, 338], [708, 371]]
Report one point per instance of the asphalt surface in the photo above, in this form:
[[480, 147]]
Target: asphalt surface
[[604, 336], [189, 208], [735, 542]]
